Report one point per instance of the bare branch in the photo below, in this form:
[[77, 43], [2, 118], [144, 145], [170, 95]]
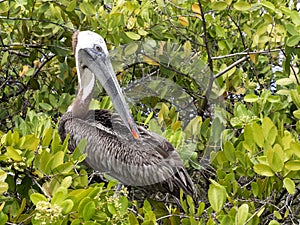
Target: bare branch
[[231, 66]]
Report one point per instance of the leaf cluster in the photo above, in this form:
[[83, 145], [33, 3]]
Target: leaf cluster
[[218, 79]]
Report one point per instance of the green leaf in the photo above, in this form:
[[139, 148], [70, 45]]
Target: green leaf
[[268, 5], [78, 152], [295, 148], [45, 106], [285, 81], [258, 134], [291, 29], [242, 214], [289, 185], [216, 196], [131, 49], [66, 182], [37, 197], [67, 206], [149, 117], [3, 175], [29, 142], [89, 210], [59, 196], [44, 160], [293, 40], [273, 99], [219, 5], [3, 187], [293, 165], [275, 158], [277, 215], [4, 58], [132, 35], [269, 130], [56, 144], [229, 151], [86, 208], [296, 114], [274, 222], [200, 209], [295, 97], [132, 219], [263, 170], [56, 160], [13, 154], [71, 6], [251, 98], [242, 6], [47, 137], [3, 218], [87, 8], [111, 208], [123, 200]]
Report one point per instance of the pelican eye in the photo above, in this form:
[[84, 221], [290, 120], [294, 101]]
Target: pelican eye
[[98, 48]]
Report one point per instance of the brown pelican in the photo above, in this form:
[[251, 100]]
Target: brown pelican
[[115, 144]]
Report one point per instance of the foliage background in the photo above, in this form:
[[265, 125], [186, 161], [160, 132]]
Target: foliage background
[[246, 161]]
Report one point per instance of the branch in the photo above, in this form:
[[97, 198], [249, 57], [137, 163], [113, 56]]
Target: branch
[[245, 53], [209, 60], [231, 66], [37, 20]]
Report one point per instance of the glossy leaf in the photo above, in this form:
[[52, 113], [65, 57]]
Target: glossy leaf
[[87, 8], [132, 35], [293, 165], [37, 197], [242, 6], [216, 196], [242, 214], [289, 185], [219, 5], [275, 158], [263, 170]]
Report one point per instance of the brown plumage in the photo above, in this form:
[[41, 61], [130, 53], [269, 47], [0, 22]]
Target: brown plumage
[[115, 145]]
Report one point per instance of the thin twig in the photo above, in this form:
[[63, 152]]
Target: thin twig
[[246, 53], [38, 20], [230, 67]]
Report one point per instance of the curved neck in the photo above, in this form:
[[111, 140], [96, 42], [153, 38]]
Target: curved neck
[[80, 105]]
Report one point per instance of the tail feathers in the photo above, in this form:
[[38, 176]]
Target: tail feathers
[[182, 180]]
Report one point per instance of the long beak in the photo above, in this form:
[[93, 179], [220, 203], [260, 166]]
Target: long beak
[[100, 65]]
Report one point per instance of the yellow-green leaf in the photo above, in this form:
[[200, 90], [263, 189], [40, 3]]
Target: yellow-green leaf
[[268, 5], [71, 6], [3, 187], [183, 21], [242, 6], [37, 197], [196, 8], [293, 40], [263, 170], [13, 154], [67, 206], [275, 158], [216, 196], [219, 5], [293, 165], [133, 36], [3, 175], [251, 98], [151, 61], [289, 185], [242, 214], [87, 8]]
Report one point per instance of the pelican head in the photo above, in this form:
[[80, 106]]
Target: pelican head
[[92, 61]]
